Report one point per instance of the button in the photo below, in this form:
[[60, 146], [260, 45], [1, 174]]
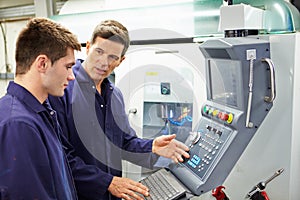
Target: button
[[215, 112], [230, 118], [101, 105], [223, 116], [52, 112], [206, 109], [219, 132], [220, 115], [208, 127]]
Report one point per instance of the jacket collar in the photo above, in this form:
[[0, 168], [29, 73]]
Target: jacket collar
[[24, 96]]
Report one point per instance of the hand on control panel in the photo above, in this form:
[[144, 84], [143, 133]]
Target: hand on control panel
[[168, 147]]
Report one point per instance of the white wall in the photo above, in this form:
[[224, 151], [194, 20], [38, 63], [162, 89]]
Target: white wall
[[3, 85], [11, 31]]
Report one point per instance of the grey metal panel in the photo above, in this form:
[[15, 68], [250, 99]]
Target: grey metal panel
[[222, 143]]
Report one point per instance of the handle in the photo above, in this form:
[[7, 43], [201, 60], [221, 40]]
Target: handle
[[271, 98]]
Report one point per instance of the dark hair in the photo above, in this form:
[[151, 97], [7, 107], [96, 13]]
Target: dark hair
[[42, 36], [112, 30]]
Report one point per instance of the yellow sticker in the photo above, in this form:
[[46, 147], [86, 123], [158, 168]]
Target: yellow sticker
[[151, 73]]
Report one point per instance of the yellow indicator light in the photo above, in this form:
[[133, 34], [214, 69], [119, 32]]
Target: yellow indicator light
[[215, 112]]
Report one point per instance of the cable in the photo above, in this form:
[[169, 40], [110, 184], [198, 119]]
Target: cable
[[7, 67]]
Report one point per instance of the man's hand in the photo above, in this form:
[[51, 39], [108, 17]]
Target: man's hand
[[168, 147], [126, 188]]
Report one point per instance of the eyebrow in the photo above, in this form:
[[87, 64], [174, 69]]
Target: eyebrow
[[99, 48], [71, 63]]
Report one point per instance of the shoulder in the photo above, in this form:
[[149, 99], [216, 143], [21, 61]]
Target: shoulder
[[78, 65], [17, 114], [19, 130], [13, 109]]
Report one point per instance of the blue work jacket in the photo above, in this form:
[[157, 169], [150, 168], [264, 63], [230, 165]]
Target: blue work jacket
[[33, 164], [98, 128]]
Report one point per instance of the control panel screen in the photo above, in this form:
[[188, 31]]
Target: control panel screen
[[224, 81]]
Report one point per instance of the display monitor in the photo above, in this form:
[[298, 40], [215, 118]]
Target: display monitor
[[224, 82]]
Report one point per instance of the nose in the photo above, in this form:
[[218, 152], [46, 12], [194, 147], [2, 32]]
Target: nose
[[104, 61], [71, 76]]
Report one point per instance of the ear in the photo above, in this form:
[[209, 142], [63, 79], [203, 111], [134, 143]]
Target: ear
[[121, 60], [41, 63], [88, 45]]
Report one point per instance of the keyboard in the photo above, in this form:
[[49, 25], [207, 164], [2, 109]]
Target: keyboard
[[163, 186]]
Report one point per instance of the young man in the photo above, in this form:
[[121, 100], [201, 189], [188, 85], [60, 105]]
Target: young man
[[92, 115], [33, 164]]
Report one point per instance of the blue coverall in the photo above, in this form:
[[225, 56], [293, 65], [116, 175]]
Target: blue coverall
[[98, 128], [33, 164]]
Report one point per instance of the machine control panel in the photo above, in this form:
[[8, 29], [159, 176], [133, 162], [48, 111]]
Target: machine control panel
[[233, 110], [207, 148]]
